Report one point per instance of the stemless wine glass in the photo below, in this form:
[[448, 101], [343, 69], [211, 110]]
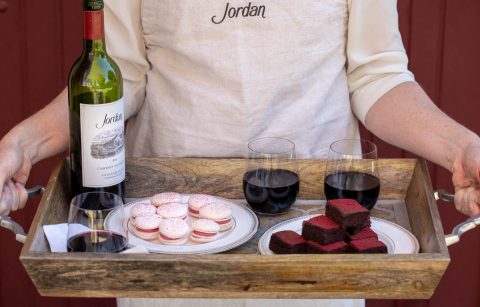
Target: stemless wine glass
[[352, 172], [271, 183], [86, 224]]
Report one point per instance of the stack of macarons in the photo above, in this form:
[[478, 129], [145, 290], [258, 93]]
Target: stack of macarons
[[219, 213], [144, 221], [169, 205], [165, 223], [196, 201], [207, 207], [173, 229], [164, 218]]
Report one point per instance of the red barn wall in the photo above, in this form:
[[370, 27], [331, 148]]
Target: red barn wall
[[39, 40]]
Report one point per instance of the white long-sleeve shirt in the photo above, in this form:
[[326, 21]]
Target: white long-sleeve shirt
[[204, 77]]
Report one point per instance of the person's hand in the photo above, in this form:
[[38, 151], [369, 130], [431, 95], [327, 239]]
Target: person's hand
[[15, 166], [466, 180]]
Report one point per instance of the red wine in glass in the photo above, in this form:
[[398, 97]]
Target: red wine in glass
[[273, 196], [97, 224], [97, 242], [270, 181], [352, 172], [362, 187]]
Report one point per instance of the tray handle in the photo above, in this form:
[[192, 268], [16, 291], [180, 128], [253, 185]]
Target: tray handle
[[460, 229], [17, 229]]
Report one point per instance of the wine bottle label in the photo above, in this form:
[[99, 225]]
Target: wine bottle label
[[103, 146]]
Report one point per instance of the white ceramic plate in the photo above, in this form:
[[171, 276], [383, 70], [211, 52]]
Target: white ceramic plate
[[397, 239], [245, 226]]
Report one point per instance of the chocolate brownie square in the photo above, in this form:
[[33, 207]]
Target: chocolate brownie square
[[339, 247], [369, 246], [287, 242], [347, 213], [365, 233], [355, 230], [323, 230]]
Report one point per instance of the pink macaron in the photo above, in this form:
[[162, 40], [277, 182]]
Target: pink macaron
[[146, 226], [142, 209], [219, 213], [166, 198], [173, 210], [173, 231], [204, 230], [196, 201]]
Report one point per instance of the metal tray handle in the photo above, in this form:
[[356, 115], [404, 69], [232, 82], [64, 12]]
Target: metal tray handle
[[17, 229], [460, 229]]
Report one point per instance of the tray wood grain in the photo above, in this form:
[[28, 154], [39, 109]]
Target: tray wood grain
[[233, 275]]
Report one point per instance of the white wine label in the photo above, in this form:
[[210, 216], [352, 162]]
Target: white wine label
[[103, 145]]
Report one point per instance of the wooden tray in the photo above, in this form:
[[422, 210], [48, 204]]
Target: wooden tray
[[242, 273]]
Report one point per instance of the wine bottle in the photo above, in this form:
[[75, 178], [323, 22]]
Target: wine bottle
[[96, 111]]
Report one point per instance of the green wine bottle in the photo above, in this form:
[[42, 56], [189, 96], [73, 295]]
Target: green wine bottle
[[96, 111]]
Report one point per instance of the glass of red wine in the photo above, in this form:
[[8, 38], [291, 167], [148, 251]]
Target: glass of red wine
[[352, 172], [271, 182], [86, 224]]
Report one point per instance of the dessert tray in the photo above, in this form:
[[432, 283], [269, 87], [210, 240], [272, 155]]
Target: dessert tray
[[243, 272], [245, 226], [397, 239]]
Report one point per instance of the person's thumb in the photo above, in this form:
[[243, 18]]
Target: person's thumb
[[22, 194], [3, 178], [22, 173], [472, 162]]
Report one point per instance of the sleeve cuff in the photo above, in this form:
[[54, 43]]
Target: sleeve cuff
[[363, 99]]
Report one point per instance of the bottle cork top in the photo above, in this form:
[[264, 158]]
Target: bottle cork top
[[92, 5]]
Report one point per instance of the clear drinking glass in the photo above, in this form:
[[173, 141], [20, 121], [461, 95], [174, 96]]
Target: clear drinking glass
[[86, 224], [352, 172], [271, 182]]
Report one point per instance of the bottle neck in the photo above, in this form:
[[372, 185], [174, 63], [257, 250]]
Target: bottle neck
[[93, 32]]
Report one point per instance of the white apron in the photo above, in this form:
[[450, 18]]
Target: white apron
[[224, 72]]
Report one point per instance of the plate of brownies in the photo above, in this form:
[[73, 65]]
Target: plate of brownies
[[346, 227]]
